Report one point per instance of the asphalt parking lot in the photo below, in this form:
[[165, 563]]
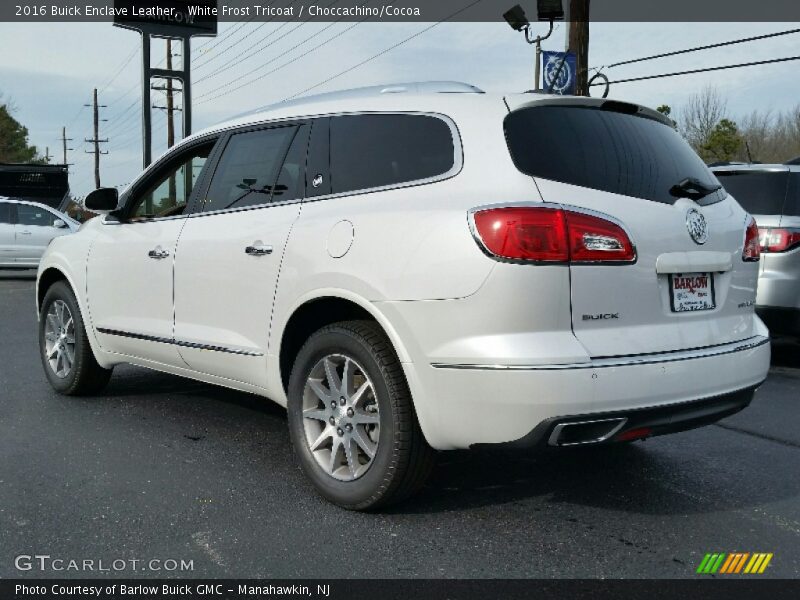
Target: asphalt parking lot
[[160, 467]]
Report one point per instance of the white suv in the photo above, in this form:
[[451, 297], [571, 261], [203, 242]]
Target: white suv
[[422, 267]]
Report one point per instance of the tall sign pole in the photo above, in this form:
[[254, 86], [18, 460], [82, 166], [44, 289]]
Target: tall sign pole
[[181, 26]]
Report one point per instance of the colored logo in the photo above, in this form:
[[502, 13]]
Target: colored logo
[[735, 563]]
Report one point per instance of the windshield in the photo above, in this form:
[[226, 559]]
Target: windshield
[[605, 150]]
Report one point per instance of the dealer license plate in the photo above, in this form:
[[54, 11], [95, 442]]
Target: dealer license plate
[[691, 291]]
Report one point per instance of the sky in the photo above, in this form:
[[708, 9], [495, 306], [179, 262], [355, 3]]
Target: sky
[[49, 70]]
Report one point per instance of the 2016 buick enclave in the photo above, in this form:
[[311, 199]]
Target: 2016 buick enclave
[[420, 267]]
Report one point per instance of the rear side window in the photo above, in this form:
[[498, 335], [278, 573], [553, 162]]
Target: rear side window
[[604, 150], [249, 167], [371, 151], [759, 192], [5, 212]]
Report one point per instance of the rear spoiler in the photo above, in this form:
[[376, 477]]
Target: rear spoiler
[[516, 102]]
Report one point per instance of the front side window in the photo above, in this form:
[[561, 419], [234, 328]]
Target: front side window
[[169, 195], [35, 216], [372, 151], [250, 170], [5, 212]]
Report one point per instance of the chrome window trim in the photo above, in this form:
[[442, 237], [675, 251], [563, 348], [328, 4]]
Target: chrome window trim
[[458, 165], [623, 361], [458, 155]]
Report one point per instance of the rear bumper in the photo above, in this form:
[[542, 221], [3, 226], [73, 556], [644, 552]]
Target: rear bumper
[[611, 427], [781, 321], [492, 404]]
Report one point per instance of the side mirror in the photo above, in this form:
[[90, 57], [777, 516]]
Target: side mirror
[[59, 224], [102, 200]]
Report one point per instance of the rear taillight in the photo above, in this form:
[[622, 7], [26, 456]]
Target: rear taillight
[[593, 239], [778, 239], [544, 234], [752, 248]]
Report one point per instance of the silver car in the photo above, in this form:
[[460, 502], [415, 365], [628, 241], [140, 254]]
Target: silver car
[[771, 193], [26, 229]]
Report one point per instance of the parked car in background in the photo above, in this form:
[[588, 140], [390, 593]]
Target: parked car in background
[[771, 193], [422, 267], [26, 229]]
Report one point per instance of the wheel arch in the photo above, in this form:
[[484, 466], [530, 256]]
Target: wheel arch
[[45, 281], [313, 312]]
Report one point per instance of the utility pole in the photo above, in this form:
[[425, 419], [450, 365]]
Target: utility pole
[[170, 108], [47, 156], [170, 100], [170, 121], [64, 140], [96, 139], [579, 43]]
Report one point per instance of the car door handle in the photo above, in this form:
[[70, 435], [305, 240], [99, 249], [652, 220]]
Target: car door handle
[[258, 249], [158, 253], [24, 232]]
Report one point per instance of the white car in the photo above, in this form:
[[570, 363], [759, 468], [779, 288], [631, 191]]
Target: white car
[[26, 228], [422, 267]]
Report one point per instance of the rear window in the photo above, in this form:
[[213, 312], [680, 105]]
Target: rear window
[[604, 150], [759, 192], [791, 207], [5, 212], [371, 151]]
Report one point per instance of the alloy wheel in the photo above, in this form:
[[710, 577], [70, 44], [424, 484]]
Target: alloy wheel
[[341, 417], [59, 339]]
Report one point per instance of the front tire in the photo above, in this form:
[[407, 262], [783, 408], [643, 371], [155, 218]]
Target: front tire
[[68, 361], [352, 420]]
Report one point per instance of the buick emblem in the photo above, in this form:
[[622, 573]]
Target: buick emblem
[[697, 226]]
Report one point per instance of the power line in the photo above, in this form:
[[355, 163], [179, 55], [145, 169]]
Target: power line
[[703, 70], [236, 43], [698, 48], [263, 75], [125, 63], [238, 59], [382, 52]]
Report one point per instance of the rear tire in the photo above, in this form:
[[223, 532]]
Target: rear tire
[[348, 398], [68, 361]]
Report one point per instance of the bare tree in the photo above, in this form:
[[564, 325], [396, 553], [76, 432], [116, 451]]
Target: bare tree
[[756, 129], [699, 117]]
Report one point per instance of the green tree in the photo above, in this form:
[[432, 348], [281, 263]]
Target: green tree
[[665, 110], [14, 145], [723, 142]]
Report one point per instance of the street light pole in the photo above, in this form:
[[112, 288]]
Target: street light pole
[[538, 41], [546, 10]]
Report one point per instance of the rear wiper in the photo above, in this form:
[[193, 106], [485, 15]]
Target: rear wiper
[[693, 189]]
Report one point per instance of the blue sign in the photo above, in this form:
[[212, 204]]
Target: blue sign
[[558, 72]]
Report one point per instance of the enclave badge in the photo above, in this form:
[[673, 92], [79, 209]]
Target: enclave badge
[[697, 226]]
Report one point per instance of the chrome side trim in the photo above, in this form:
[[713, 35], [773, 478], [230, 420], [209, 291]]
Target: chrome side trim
[[182, 344], [623, 361]]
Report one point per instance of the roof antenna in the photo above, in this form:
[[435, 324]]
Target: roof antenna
[[749, 156]]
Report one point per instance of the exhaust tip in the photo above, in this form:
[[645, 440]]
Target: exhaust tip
[[585, 432]]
